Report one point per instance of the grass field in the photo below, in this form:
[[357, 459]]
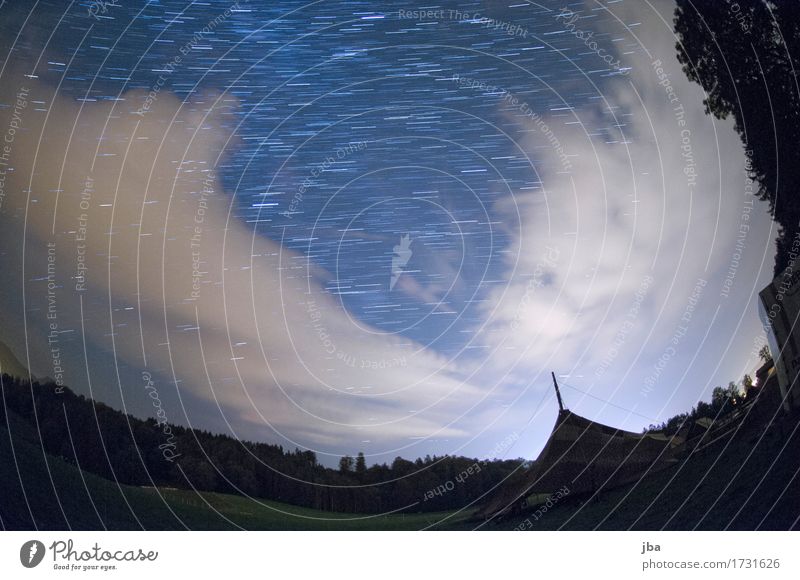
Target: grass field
[[266, 515]]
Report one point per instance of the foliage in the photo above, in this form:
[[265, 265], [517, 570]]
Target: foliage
[[723, 401], [744, 55]]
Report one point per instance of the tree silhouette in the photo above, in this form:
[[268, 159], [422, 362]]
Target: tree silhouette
[[745, 56], [361, 464], [346, 464]]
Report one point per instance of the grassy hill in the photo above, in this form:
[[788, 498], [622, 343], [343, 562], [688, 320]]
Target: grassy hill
[[83, 501]]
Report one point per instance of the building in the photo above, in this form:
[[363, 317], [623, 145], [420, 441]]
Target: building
[[779, 310]]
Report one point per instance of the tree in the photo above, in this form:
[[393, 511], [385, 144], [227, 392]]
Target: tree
[[764, 354], [718, 398], [745, 59], [733, 392], [747, 383], [346, 464], [361, 464]]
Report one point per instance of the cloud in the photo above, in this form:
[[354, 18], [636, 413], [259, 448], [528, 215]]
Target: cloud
[[128, 212], [610, 251]]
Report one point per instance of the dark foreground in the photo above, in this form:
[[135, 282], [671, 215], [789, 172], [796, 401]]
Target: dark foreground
[[746, 481]]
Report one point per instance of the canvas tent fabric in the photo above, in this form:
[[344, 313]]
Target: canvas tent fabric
[[584, 456]]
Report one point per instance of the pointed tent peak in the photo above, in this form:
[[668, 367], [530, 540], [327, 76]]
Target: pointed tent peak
[[558, 393]]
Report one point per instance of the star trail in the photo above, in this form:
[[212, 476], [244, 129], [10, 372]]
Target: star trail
[[405, 216]]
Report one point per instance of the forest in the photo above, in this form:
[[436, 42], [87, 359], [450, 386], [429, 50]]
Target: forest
[[128, 450]]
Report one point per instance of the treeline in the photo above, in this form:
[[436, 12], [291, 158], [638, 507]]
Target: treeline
[[745, 56], [723, 401], [120, 447]]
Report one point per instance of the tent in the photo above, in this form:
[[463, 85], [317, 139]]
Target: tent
[[583, 456]]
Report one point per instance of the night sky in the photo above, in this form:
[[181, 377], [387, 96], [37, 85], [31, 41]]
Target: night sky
[[454, 204]]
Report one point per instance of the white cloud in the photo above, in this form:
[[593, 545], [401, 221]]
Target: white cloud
[[626, 214]]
